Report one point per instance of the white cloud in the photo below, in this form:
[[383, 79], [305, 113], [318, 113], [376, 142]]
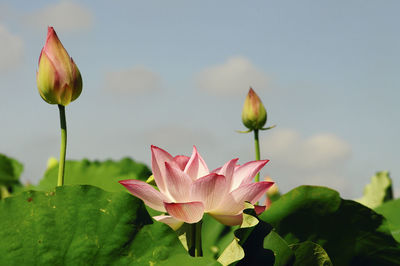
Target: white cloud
[[316, 152], [12, 49], [235, 75], [136, 79], [317, 160], [65, 16]]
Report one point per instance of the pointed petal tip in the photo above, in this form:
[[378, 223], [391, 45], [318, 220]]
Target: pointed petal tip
[[51, 32], [195, 149], [265, 184], [153, 147], [140, 189], [124, 182], [156, 148], [234, 160]]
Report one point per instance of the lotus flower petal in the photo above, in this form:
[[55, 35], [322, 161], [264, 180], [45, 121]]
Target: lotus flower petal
[[189, 212], [158, 159], [57, 54], [245, 173], [233, 203], [169, 220], [196, 167], [46, 79], [228, 170], [230, 220], [181, 161], [151, 197], [210, 190], [251, 192], [178, 183]]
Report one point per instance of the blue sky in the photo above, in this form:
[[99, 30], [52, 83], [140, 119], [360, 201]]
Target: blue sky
[[175, 74]]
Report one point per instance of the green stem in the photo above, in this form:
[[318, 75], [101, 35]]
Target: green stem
[[257, 149], [63, 147], [195, 247]]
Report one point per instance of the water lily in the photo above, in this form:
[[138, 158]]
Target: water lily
[[187, 189]]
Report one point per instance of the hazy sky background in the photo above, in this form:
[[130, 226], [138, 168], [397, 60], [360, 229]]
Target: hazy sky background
[[176, 73]]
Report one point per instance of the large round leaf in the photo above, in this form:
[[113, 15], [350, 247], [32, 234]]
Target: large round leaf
[[378, 191], [10, 171], [83, 225], [351, 233], [391, 211]]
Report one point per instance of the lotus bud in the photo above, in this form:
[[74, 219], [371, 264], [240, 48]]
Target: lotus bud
[[58, 78], [254, 115]]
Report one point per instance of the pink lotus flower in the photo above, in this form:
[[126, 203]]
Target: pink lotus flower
[[187, 189]]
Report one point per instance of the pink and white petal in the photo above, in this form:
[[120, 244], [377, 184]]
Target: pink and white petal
[[178, 183], [233, 203], [169, 220], [227, 170], [259, 209], [196, 167], [210, 190], [230, 220], [251, 192], [151, 197], [245, 173], [228, 206], [158, 159], [181, 161], [189, 212]]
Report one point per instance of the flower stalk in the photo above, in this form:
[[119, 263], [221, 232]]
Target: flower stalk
[[59, 82], [254, 117], [194, 239], [63, 147], [257, 152]]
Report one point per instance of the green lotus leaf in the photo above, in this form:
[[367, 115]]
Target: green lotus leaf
[[378, 191], [391, 212], [10, 171], [104, 174], [247, 245], [310, 254], [85, 225], [349, 232]]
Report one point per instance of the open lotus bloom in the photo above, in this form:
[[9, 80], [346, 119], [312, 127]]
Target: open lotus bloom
[[187, 189]]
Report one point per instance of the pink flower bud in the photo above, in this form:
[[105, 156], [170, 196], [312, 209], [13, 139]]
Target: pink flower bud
[[254, 115], [58, 78]]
